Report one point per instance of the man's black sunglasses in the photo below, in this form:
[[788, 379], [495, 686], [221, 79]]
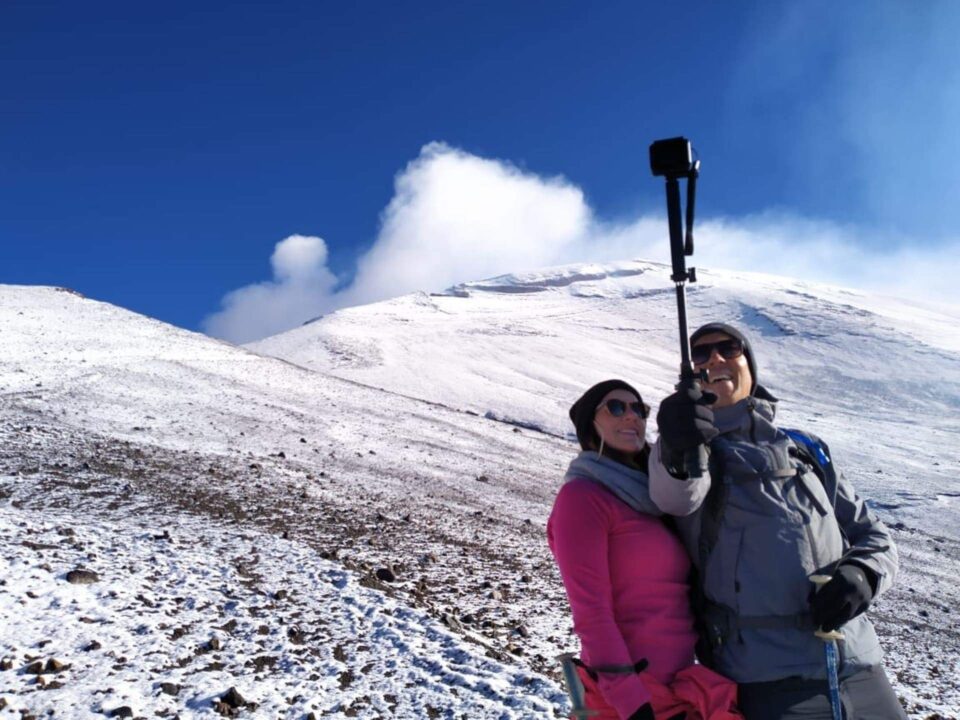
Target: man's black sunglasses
[[618, 408], [728, 350]]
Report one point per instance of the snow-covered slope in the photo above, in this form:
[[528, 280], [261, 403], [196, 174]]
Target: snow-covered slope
[[877, 377], [205, 484], [357, 530]]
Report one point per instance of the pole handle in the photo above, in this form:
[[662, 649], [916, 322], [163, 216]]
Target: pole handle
[[826, 636], [696, 461]]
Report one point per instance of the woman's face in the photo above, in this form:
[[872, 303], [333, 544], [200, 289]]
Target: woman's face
[[627, 433]]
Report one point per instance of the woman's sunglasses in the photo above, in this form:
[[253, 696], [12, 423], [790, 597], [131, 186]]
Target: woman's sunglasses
[[618, 408], [728, 350]]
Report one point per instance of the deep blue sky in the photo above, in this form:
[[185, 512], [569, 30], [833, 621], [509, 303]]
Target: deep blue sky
[[152, 154]]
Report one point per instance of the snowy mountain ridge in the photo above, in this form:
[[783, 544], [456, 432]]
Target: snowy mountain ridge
[[874, 376], [356, 530]]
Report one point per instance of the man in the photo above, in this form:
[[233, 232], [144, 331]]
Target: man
[[767, 515]]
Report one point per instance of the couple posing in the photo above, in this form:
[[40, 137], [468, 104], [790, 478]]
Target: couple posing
[[660, 568]]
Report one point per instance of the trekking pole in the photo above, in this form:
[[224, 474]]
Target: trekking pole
[[830, 652], [673, 160], [574, 687]]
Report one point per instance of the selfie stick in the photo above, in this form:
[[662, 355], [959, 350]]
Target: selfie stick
[[673, 159]]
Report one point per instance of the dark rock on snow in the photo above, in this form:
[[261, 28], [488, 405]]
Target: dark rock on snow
[[82, 577]]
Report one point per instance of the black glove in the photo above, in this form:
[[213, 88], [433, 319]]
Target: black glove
[[848, 594], [644, 712], [685, 420]]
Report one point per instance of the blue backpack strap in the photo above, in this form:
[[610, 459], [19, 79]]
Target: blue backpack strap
[[815, 451]]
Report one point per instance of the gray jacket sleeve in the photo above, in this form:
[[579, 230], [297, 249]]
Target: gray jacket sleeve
[[871, 544], [672, 495]]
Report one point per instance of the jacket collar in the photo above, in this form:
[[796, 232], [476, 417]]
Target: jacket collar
[[738, 416]]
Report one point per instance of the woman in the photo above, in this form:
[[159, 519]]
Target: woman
[[626, 574]]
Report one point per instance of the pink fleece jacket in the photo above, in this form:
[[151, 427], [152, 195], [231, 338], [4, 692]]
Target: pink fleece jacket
[[626, 578]]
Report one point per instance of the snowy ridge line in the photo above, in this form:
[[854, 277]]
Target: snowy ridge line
[[489, 415], [533, 282]]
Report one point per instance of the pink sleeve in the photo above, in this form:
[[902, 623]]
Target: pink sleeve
[[577, 532]]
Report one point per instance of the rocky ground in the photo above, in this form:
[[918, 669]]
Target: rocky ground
[[213, 572]]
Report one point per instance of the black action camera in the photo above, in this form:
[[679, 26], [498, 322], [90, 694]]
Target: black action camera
[[672, 158]]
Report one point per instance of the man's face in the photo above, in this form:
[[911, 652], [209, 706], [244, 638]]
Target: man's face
[[728, 378]]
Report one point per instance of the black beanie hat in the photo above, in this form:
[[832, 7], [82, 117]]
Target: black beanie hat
[[734, 333], [584, 409]]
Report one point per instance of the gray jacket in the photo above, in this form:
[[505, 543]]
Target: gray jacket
[[778, 527]]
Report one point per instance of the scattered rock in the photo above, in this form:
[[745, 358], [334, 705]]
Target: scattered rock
[[38, 546], [6, 663], [34, 668], [169, 688], [124, 711], [232, 698], [296, 635], [54, 666], [82, 577], [451, 622], [386, 574], [262, 661]]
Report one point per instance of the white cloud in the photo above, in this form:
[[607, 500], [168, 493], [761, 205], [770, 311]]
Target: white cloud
[[302, 288], [456, 217]]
